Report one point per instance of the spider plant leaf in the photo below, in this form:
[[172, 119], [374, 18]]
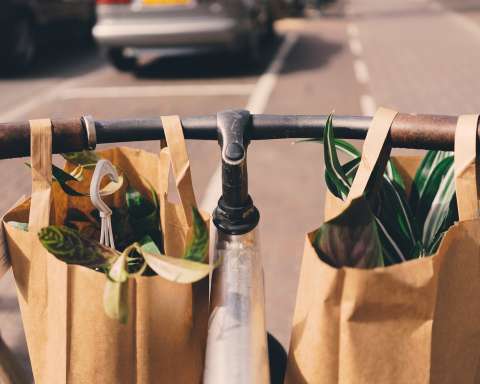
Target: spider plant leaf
[[397, 225], [332, 164], [439, 209], [424, 173], [432, 187], [178, 270], [197, 247], [394, 175], [69, 246], [349, 169], [87, 159], [342, 145], [350, 239], [450, 219]]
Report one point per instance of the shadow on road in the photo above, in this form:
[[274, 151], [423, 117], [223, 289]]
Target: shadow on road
[[207, 65], [311, 52], [221, 65]]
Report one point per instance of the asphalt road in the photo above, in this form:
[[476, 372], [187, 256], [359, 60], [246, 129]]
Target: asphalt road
[[416, 56]]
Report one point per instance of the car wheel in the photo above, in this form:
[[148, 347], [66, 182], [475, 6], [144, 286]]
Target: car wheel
[[121, 61], [23, 48]]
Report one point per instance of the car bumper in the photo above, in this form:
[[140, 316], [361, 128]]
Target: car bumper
[[167, 33]]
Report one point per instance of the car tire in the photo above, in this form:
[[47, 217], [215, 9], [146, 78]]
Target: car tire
[[23, 46], [121, 61]]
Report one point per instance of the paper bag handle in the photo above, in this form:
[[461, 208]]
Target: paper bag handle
[[41, 158], [374, 149], [465, 167], [177, 148], [39, 216]]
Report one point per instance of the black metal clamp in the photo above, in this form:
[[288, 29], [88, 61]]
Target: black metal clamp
[[235, 213]]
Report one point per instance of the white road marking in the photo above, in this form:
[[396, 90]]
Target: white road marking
[[355, 46], [266, 83], [368, 105], [157, 91], [352, 30], [361, 71], [256, 104], [51, 94]]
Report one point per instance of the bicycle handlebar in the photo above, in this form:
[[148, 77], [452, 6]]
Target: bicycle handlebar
[[69, 135]]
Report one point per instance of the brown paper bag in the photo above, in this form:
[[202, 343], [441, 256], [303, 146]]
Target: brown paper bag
[[415, 322], [69, 337]]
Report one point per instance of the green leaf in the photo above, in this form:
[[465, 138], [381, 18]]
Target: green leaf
[[439, 208], [350, 239], [394, 175], [148, 245], [332, 164], [138, 205], [424, 173], [342, 145], [397, 226], [143, 212], [197, 248], [144, 215], [431, 188], [69, 246], [178, 270], [86, 159], [350, 169]]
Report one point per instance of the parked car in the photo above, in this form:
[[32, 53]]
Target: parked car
[[126, 28], [26, 25]]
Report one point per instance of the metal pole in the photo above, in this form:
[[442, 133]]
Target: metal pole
[[408, 131]]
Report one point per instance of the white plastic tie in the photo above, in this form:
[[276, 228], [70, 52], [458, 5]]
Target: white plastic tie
[[102, 169]]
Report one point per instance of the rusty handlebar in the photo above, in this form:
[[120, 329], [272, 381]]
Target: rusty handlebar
[[69, 135]]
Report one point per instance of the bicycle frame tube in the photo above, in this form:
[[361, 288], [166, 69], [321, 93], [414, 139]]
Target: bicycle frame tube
[[237, 339]]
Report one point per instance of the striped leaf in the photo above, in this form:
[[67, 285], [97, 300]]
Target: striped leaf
[[341, 145], [69, 246], [394, 175], [332, 164], [424, 173], [396, 222], [349, 169], [430, 188], [439, 209]]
